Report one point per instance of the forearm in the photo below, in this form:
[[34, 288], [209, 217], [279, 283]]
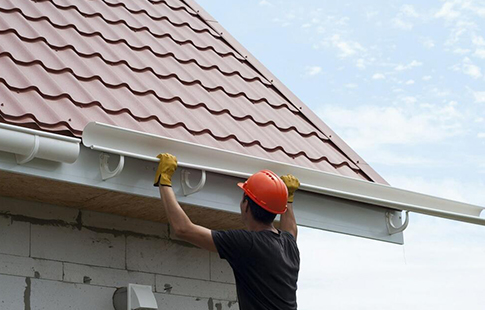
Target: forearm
[[288, 221], [177, 218]]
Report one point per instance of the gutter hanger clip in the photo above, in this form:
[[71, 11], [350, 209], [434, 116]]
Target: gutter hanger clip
[[106, 173], [186, 187], [391, 229]]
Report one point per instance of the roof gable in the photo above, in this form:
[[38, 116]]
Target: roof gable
[[161, 67]]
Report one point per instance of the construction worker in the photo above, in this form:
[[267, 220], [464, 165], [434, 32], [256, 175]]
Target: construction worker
[[265, 260]]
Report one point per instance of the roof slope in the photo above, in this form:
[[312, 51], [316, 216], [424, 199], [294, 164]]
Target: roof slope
[[156, 66]]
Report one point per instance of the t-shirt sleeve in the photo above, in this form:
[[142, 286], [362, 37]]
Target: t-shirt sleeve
[[232, 244]]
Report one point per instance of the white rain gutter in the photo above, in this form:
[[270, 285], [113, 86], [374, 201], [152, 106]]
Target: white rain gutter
[[131, 143], [28, 144]]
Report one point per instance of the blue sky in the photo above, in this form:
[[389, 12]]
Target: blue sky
[[403, 83]]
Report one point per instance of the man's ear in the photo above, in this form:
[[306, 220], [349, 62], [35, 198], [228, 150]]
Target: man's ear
[[245, 205]]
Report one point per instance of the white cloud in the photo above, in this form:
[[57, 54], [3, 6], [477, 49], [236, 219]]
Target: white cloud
[[480, 53], [410, 82], [371, 14], [472, 70], [351, 85], [428, 43], [378, 76], [347, 48], [447, 11], [437, 254], [469, 68], [401, 24], [409, 99], [479, 96], [478, 40], [427, 78], [382, 156], [313, 70], [461, 51], [401, 20], [409, 10], [265, 3], [440, 92], [342, 21], [411, 65], [307, 25], [481, 135], [468, 191], [368, 127], [360, 63]]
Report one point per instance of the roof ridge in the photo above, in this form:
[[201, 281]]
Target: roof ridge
[[312, 118]]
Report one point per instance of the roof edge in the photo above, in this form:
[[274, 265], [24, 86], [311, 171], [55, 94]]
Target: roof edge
[[286, 92]]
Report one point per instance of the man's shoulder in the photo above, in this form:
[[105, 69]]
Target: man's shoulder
[[231, 235]]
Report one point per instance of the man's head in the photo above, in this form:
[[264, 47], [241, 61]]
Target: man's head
[[264, 193], [258, 214]]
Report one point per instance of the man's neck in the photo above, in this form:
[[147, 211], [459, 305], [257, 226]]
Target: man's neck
[[256, 226]]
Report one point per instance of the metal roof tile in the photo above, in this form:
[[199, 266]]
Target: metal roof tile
[[58, 60], [152, 66], [95, 43]]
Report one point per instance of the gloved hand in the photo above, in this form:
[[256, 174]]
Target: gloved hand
[[166, 168], [292, 184]]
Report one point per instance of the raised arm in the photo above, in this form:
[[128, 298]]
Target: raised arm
[[179, 221], [287, 220]]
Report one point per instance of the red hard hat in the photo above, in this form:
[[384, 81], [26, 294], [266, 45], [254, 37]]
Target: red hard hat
[[267, 190]]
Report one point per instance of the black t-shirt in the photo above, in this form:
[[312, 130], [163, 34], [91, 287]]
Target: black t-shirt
[[265, 266]]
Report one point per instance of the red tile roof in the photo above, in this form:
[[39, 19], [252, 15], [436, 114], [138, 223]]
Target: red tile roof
[[156, 66]]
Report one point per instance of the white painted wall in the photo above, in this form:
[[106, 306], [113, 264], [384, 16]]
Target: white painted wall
[[53, 257]]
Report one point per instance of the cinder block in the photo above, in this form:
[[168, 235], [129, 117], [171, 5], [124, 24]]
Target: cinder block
[[14, 237], [83, 246], [167, 301], [105, 276], [12, 292], [49, 295], [37, 210], [30, 267], [197, 288], [220, 269], [111, 221], [166, 257]]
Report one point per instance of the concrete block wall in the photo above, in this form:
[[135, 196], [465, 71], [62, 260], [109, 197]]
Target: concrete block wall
[[53, 257]]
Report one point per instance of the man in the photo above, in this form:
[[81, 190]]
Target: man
[[265, 260]]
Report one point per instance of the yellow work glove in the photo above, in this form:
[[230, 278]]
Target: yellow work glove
[[166, 168], [292, 184]]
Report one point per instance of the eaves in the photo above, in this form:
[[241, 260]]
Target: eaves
[[325, 201]]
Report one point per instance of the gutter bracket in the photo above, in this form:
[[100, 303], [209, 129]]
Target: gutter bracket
[[22, 159], [391, 229], [186, 187], [103, 166]]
